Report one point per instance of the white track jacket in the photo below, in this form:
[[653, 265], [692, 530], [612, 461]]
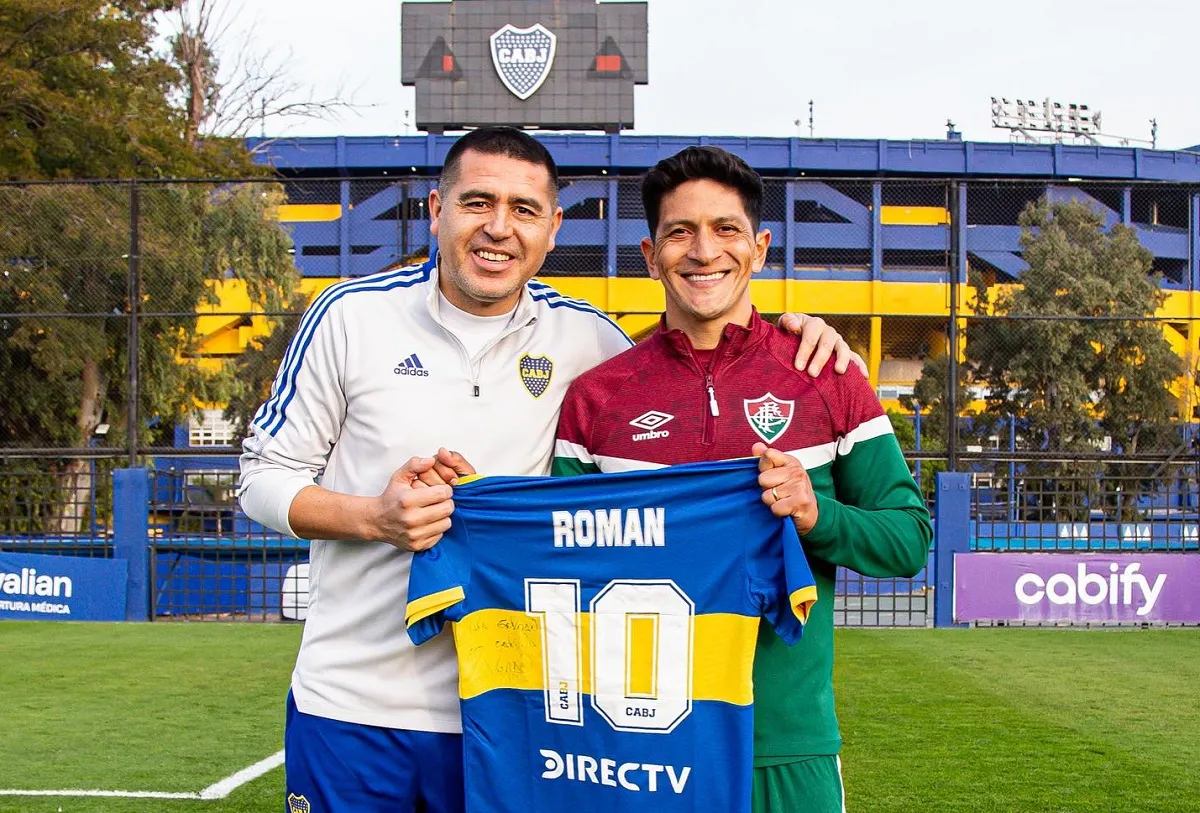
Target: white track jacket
[[372, 378]]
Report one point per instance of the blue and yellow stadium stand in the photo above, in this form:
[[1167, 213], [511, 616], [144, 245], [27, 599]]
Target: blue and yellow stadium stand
[[867, 225]]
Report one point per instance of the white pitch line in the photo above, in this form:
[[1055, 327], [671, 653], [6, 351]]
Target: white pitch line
[[123, 794], [217, 790]]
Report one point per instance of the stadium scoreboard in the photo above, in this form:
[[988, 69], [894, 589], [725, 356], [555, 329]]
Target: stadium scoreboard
[[554, 64]]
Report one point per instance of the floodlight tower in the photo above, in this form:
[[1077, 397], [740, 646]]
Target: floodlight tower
[[1028, 119], [1037, 122]]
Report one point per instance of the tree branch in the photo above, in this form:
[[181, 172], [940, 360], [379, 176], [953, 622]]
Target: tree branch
[[228, 98]]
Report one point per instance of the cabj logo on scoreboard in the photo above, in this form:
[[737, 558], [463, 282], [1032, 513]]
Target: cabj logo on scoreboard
[[523, 57]]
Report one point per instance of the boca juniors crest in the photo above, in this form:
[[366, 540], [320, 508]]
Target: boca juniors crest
[[769, 417], [298, 804], [535, 373], [523, 57]]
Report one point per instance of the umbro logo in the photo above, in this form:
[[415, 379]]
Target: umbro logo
[[411, 366], [651, 421]]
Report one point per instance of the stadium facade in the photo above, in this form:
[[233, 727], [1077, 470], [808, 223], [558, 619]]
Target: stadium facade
[[863, 231]]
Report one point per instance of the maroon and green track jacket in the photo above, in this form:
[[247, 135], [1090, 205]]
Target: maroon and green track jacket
[[657, 404]]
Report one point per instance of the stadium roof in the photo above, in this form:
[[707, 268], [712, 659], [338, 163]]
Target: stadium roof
[[625, 154]]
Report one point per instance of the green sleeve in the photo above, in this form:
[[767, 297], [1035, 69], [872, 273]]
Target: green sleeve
[[875, 521], [570, 466]]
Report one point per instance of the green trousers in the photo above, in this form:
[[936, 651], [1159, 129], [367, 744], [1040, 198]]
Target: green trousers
[[810, 786]]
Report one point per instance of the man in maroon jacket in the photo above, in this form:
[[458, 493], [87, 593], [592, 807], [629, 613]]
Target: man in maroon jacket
[[717, 381]]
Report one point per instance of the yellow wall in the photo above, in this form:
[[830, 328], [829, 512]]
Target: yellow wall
[[897, 316], [914, 216], [621, 295], [309, 212], [888, 215]]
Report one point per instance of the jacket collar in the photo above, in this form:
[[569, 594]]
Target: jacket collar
[[734, 338], [526, 310]]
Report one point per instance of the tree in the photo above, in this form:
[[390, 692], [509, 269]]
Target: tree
[[66, 375], [228, 102], [929, 396], [257, 365], [1071, 354], [228, 85], [82, 95]]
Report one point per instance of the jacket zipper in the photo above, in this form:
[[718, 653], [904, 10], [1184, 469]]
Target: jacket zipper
[[487, 348], [462, 351], [713, 411]]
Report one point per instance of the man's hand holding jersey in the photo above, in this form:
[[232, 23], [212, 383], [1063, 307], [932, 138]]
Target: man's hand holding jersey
[[786, 487], [414, 510], [409, 514], [412, 514], [447, 467]]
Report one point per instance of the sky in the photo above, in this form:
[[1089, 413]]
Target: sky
[[895, 69]]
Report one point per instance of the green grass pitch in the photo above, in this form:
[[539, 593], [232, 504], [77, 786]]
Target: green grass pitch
[[1045, 721]]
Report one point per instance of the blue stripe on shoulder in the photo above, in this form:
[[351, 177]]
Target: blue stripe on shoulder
[[271, 415], [541, 292]]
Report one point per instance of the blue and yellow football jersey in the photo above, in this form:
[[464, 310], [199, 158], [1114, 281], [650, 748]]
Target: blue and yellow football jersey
[[605, 628]]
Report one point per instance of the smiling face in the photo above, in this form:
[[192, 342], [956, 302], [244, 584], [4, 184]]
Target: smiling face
[[704, 252], [494, 225]]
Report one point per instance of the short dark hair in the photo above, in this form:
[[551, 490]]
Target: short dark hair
[[507, 141], [699, 163]]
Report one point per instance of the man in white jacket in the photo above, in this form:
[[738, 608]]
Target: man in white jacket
[[466, 351]]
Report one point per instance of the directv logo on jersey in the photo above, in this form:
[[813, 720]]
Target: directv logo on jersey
[[609, 528], [651, 421], [582, 768], [411, 366]]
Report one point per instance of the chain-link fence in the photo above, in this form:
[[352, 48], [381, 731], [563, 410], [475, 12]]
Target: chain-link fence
[[143, 322], [189, 278]]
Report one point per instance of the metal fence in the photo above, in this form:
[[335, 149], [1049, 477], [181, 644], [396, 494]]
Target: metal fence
[[142, 321], [208, 561], [56, 505], [862, 601]]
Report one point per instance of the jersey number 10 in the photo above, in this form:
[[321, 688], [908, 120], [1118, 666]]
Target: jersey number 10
[[640, 673]]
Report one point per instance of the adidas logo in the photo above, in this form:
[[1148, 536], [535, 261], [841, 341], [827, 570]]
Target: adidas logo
[[411, 366]]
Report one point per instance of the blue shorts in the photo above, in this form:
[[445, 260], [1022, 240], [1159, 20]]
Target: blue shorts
[[336, 767]]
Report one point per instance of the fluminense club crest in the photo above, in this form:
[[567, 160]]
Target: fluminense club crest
[[769, 417], [523, 57], [535, 373]]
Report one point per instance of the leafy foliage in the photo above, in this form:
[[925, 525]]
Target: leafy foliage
[[84, 95], [1071, 357], [1089, 364], [66, 370]]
